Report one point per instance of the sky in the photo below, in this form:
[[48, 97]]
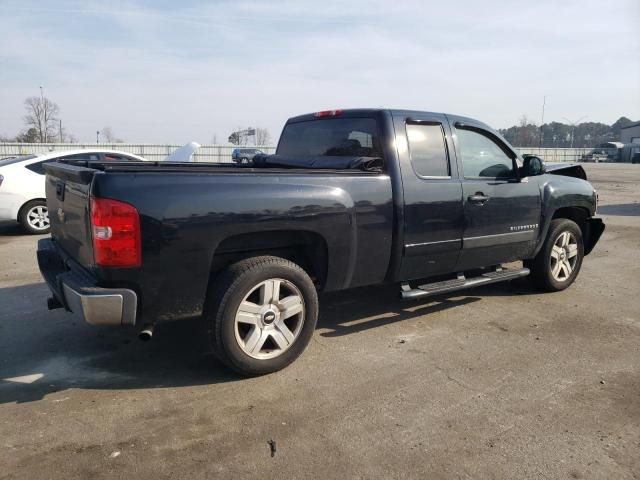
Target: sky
[[171, 72]]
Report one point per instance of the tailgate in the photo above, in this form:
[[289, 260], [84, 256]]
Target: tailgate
[[68, 188]]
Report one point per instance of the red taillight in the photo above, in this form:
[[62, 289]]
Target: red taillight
[[328, 113], [116, 233]]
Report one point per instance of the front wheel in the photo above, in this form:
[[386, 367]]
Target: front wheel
[[261, 314], [558, 263]]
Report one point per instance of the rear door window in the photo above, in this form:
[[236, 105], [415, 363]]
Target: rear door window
[[427, 149]]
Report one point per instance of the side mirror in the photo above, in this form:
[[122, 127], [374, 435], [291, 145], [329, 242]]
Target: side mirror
[[532, 166]]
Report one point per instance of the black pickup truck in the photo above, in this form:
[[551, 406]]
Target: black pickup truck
[[432, 202]]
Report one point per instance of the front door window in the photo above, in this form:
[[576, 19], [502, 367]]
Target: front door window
[[482, 157]]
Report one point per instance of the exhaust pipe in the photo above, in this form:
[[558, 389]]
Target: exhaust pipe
[[53, 303], [147, 332]]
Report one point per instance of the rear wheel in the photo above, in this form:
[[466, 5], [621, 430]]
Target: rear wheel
[[261, 314], [558, 263], [34, 217]]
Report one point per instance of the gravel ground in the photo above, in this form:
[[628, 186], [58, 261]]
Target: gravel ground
[[497, 382]]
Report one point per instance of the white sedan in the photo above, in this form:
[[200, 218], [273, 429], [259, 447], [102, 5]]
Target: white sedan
[[22, 182]]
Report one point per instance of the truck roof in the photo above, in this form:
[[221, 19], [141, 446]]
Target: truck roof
[[372, 112]]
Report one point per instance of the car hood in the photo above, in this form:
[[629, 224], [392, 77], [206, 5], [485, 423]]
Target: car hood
[[566, 169]]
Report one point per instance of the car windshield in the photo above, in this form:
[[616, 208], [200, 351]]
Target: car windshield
[[9, 160], [341, 137]]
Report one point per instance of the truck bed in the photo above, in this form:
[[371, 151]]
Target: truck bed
[[194, 217]]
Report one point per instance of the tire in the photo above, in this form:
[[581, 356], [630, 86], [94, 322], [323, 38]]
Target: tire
[[558, 263], [34, 217], [252, 331]]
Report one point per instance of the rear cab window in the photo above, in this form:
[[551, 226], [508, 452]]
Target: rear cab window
[[331, 137]]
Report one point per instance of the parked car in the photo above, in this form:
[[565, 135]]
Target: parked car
[[22, 180], [244, 155], [604, 152], [435, 203]]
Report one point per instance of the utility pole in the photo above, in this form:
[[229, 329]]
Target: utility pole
[[97, 136], [544, 101], [60, 130], [44, 116]]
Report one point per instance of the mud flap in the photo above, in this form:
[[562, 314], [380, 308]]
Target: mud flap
[[595, 227]]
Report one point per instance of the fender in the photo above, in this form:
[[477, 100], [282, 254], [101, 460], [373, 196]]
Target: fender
[[324, 210], [559, 191]]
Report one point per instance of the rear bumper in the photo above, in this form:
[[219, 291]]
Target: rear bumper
[[76, 289]]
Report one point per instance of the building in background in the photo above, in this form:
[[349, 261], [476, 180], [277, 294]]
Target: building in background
[[630, 133]]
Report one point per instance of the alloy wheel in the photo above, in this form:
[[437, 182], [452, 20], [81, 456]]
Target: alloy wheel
[[564, 255], [38, 217], [269, 318]]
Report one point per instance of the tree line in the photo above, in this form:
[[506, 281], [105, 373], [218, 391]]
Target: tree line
[[563, 135]]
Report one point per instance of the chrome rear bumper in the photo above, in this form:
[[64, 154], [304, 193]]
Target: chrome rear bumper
[[76, 290]]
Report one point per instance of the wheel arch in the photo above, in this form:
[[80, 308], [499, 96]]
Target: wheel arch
[[306, 248], [580, 215]]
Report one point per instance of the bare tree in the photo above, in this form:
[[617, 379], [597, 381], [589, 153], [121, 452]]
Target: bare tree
[[234, 138], [239, 137], [262, 136], [109, 136], [42, 114]]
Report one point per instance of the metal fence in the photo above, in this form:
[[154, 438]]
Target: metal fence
[[572, 154], [222, 153], [206, 153]]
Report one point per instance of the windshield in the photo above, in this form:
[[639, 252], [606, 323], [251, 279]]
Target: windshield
[[9, 160], [340, 137]]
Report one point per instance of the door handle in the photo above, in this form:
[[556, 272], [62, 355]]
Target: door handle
[[478, 197]]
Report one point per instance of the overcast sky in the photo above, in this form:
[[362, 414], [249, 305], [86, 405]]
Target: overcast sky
[[171, 72]]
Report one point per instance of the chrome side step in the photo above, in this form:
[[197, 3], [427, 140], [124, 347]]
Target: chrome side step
[[461, 283]]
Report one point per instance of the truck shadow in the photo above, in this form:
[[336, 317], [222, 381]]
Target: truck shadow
[[50, 351], [353, 311], [11, 229]]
